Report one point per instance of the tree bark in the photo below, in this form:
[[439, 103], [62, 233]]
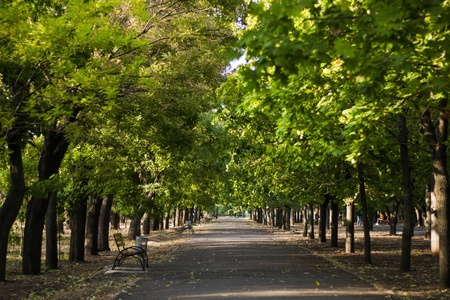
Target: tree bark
[[350, 228], [155, 223], [115, 220], [286, 218], [177, 217], [264, 215], [78, 230], [55, 146], [187, 215], [51, 234], [344, 214], [437, 144], [167, 223], [311, 220], [434, 224], [393, 218], [279, 218], [305, 222], [365, 219], [334, 223], [103, 224], [146, 224], [408, 226], [323, 219], [14, 199], [92, 224], [427, 213], [135, 227], [316, 214]]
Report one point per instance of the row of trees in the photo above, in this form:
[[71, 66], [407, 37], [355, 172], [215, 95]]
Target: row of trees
[[106, 102], [343, 102]]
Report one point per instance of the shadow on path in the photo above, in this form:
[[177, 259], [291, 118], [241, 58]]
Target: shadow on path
[[237, 259]]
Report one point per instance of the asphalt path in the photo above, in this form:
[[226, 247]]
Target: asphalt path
[[238, 259]]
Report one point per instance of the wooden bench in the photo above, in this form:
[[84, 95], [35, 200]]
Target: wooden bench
[[137, 252], [189, 227], [203, 221]]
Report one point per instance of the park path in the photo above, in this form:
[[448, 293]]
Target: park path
[[238, 259]]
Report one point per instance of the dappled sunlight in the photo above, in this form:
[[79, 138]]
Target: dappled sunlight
[[281, 294]]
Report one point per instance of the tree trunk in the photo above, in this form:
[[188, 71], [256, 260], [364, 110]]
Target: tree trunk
[[151, 222], [350, 228], [393, 218], [135, 227], [13, 201], [92, 224], [177, 217], [311, 221], [51, 234], [168, 219], [103, 224], [323, 219], [419, 217], [78, 230], [115, 220], [286, 218], [344, 214], [434, 243], [437, 144], [305, 222], [279, 218], [328, 217], [334, 223], [434, 225], [154, 223], [427, 217], [365, 219], [427, 213], [55, 146], [146, 224], [408, 226], [187, 216], [316, 214], [271, 218]]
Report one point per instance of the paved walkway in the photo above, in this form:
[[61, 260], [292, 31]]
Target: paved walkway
[[237, 259]]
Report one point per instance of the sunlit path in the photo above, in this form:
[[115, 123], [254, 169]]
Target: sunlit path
[[237, 259]]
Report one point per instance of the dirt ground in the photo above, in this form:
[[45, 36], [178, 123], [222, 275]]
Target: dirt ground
[[84, 280], [87, 281], [384, 272]]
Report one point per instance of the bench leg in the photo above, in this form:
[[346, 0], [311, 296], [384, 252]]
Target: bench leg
[[141, 257]]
